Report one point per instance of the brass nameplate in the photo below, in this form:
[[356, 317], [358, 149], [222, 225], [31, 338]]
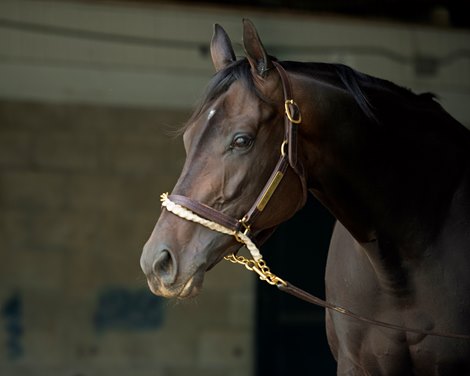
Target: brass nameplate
[[269, 191]]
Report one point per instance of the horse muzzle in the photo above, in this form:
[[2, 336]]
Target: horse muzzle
[[160, 266]]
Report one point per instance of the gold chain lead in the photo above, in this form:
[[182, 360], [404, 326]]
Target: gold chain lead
[[259, 267]]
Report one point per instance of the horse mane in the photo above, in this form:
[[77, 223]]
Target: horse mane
[[387, 104], [353, 81], [363, 88], [360, 85]]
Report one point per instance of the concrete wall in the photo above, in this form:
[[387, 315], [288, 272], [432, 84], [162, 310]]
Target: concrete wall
[[78, 198], [87, 94], [156, 55]]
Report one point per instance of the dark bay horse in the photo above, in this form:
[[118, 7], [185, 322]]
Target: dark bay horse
[[393, 168]]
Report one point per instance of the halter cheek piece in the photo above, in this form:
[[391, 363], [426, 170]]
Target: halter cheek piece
[[241, 229]]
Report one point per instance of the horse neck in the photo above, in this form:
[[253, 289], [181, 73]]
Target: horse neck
[[386, 183]]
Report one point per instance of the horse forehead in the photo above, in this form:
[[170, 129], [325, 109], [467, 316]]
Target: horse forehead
[[239, 99], [237, 103]]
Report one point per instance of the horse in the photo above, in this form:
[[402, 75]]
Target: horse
[[392, 166]]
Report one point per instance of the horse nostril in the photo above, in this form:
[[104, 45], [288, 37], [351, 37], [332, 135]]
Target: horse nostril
[[164, 267]]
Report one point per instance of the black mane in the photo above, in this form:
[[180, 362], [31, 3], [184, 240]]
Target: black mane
[[361, 86], [380, 100]]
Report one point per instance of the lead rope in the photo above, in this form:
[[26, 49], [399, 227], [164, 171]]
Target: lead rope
[[257, 264]]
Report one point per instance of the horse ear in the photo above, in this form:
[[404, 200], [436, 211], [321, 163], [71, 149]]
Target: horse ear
[[255, 52], [221, 49]]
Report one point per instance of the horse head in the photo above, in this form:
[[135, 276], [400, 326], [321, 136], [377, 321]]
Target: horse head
[[232, 142]]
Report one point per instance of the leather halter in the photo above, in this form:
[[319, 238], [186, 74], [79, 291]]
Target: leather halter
[[287, 159]]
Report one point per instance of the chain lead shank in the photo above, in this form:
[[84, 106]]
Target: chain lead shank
[[259, 267]]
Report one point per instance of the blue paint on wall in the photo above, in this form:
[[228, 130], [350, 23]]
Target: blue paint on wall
[[122, 309], [12, 315]]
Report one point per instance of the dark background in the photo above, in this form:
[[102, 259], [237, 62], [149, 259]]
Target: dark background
[[452, 13], [291, 336]]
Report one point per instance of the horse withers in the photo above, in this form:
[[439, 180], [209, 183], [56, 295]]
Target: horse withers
[[392, 167]]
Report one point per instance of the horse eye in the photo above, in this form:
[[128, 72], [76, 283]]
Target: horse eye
[[241, 142]]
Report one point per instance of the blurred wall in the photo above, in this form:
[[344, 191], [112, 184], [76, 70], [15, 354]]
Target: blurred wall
[[157, 55], [78, 198], [88, 94]]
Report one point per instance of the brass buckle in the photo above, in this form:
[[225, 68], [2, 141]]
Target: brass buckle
[[243, 223], [290, 116], [245, 232]]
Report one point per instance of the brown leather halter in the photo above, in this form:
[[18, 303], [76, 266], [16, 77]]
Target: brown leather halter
[[287, 159]]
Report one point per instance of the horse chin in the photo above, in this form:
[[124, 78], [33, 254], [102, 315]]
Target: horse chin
[[192, 287], [188, 289]]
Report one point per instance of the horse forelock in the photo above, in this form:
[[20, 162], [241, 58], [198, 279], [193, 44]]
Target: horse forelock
[[239, 70], [362, 87]]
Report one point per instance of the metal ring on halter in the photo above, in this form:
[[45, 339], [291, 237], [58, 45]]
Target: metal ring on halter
[[243, 223], [238, 239], [245, 232], [289, 113], [283, 148]]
